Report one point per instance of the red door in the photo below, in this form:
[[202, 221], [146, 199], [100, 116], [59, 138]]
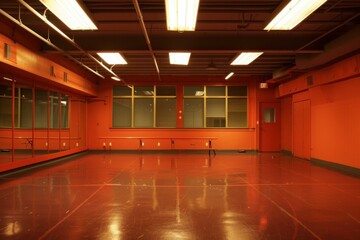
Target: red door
[[270, 127], [301, 126]]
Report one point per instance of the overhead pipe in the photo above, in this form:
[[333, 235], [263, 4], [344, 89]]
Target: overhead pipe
[[48, 42], [71, 41], [143, 27]]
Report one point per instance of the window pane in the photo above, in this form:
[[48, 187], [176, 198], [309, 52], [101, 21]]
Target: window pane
[[54, 110], [166, 112], [5, 105], [237, 112], [269, 115], [237, 91], [121, 91], [165, 91], [215, 112], [41, 108], [23, 101], [64, 111], [193, 113], [144, 91], [192, 91], [143, 113], [121, 115], [215, 91]]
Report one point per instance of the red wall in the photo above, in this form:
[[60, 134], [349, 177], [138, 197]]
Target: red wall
[[334, 102], [335, 122], [100, 131], [286, 124]]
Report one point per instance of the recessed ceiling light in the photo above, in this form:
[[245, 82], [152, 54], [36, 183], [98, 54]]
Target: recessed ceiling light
[[179, 58], [70, 13], [112, 58], [246, 58], [293, 13], [229, 75], [181, 14]]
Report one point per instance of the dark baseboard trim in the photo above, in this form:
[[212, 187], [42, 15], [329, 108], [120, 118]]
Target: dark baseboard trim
[[176, 151], [287, 152], [336, 166], [41, 165]]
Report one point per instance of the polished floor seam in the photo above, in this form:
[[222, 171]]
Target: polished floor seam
[[294, 218]]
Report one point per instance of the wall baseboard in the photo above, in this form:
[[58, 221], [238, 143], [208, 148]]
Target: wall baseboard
[[336, 166], [287, 152]]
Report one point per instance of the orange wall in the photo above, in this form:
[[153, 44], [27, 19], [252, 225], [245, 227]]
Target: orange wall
[[335, 122], [286, 124], [32, 65], [334, 111], [100, 131]]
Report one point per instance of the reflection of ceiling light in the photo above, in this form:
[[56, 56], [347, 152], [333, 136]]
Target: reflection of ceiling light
[[199, 93], [181, 14], [246, 58], [229, 75], [71, 13], [148, 93], [179, 58], [115, 78], [7, 79], [112, 58], [64, 103], [293, 13]]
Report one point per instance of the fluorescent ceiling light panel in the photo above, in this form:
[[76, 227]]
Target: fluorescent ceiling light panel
[[115, 78], [112, 58], [70, 13], [229, 75], [179, 58], [246, 58], [181, 14], [293, 13]]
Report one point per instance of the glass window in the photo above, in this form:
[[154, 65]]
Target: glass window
[[64, 111], [193, 112], [193, 91], [143, 112], [165, 91], [165, 112], [23, 107], [215, 91], [237, 112], [237, 91], [122, 112], [5, 104], [41, 108], [121, 91], [269, 115], [215, 112], [144, 91], [54, 109]]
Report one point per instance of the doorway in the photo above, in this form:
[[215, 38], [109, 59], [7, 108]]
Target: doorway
[[270, 127]]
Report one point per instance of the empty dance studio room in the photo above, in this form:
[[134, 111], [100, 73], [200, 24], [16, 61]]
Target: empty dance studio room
[[169, 119]]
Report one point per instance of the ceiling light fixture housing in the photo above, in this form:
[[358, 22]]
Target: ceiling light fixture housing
[[229, 75], [181, 14], [179, 58], [71, 13], [246, 58], [112, 58], [294, 12]]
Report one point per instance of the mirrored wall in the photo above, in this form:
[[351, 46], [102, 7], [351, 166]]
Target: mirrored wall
[[36, 120]]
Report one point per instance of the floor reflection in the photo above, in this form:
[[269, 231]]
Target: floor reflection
[[179, 196]]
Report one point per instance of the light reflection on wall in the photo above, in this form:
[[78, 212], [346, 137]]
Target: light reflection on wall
[[12, 228]]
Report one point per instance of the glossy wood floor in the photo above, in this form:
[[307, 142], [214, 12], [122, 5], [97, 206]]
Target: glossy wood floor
[[180, 196]]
